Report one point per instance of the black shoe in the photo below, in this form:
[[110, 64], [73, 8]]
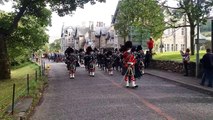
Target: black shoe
[[135, 87], [127, 86], [185, 75], [209, 85]]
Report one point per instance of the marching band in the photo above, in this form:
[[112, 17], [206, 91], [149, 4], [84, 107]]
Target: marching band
[[128, 60]]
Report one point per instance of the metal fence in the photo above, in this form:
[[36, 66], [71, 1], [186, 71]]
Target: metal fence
[[18, 92]]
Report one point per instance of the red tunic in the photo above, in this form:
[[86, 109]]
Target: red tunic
[[150, 44], [128, 57]]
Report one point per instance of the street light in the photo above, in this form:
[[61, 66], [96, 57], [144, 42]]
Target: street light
[[100, 39], [197, 43], [211, 18], [212, 34], [75, 37]]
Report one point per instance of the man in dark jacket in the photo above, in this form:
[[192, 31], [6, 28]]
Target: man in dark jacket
[[207, 62], [68, 51]]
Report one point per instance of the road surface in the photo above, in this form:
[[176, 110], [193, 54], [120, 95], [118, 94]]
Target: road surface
[[104, 97]]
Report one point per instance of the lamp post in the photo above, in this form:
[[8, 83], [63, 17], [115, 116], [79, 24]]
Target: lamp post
[[212, 34], [161, 45], [185, 35], [131, 33], [75, 38], [100, 40], [197, 44], [211, 18]]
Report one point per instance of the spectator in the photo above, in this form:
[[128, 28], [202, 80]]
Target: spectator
[[147, 59], [150, 45], [207, 62], [186, 59]]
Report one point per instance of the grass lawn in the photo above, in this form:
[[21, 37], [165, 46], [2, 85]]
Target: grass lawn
[[19, 78], [175, 56]]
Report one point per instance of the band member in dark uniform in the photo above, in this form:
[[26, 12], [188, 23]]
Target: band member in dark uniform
[[90, 61], [139, 66], [109, 62], [71, 61]]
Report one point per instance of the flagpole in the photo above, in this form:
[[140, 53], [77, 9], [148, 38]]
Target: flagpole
[[100, 40]]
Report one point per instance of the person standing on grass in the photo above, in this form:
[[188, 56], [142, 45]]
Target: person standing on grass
[[207, 62], [186, 59], [150, 45]]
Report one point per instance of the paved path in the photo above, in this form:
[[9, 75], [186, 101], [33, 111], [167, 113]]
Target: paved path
[[103, 97], [188, 81]]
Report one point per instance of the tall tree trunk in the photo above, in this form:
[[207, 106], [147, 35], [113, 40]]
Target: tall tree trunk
[[192, 34], [4, 60], [124, 40]]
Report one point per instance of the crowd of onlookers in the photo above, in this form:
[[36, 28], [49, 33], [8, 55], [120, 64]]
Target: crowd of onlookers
[[55, 57]]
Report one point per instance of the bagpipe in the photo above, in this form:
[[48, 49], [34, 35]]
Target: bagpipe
[[71, 62], [110, 61], [81, 58], [139, 66], [90, 62]]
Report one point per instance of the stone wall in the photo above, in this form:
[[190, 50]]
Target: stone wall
[[172, 66]]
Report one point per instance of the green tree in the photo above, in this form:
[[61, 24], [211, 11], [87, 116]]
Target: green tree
[[123, 20], [193, 11], [28, 37], [45, 48], [206, 27], [55, 46], [24, 8], [144, 15]]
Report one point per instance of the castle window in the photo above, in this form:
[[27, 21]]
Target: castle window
[[168, 47], [172, 47], [182, 31]]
